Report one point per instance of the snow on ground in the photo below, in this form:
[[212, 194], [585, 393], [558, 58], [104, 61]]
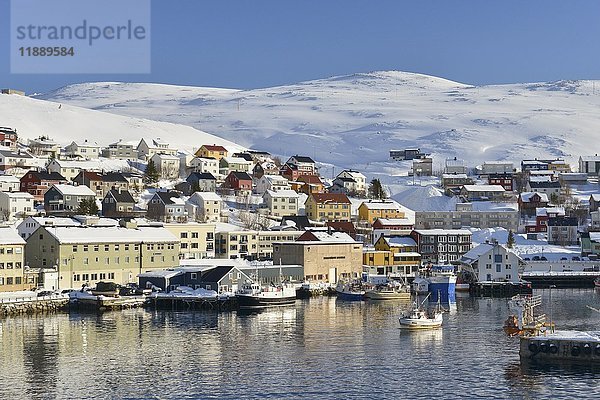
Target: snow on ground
[[353, 121]]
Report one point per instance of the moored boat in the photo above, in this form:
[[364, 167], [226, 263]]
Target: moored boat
[[253, 295], [419, 318], [387, 292], [350, 290]]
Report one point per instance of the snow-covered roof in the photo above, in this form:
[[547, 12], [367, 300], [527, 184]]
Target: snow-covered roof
[[595, 236], [111, 234], [162, 156], [161, 273], [395, 221], [454, 162], [333, 237], [9, 179], [98, 164], [236, 160], [9, 235], [526, 196], [443, 232], [55, 221], [276, 179], [590, 158], [283, 193], [498, 163], [80, 190], [542, 172], [401, 241], [484, 188], [382, 205], [18, 195], [540, 178], [454, 176], [208, 196], [596, 196], [544, 211], [476, 252]]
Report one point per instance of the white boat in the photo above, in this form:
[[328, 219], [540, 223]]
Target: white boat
[[419, 318], [387, 292], [253, 295]]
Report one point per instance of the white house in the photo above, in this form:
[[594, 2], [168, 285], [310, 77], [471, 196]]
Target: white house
[[350, 181], [204, 206], [204, 164], [281, 203], [548, 187], [15, 204], [167, 165], [149, 147], [455, 166], [9, 183], [497, 167], [270, 182], [492, 262], [86, 149], [234, 164]]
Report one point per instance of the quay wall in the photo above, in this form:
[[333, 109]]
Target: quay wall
[[33, 305]]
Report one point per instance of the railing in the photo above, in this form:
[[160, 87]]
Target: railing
[[23, 299]]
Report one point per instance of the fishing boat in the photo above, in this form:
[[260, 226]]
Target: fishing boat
[[350, 290], [388, 292], [442, 280], [420, 318], [253, 295]]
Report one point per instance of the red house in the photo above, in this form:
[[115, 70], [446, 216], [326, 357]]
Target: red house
[[238, 181], [37, 183], [504, 180], [531, 201], [541, 218], [8, 138]]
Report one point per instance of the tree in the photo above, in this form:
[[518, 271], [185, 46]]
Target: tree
[[510, 241], [151, 175], [376, 191], [88, 207]]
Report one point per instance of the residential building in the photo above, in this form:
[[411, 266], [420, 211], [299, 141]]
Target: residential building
[[422, 167], [29, 225], [65, 199], [438, 246], [572, 178], [370, 210], [196, 240], [234, 242], [167, 207], [504, 180], [86, 150], [497, 168], [391, 227], [492, 262], [351, 182], [530, 201], [224, 279], [550, 188], [534, 165], [198, 182], [234, 164], [88, 255], [239, 182], [15, 205], [118, 203], [303, 164], [146, 148], [205, 165], [589, 164], [9, 138], [281, 203], [327, 207], [44, 146], [483, 192], [308, 184], [101, 183], [70, 169], [267, 167], [18, 159], [9, 183], [204, 207], [465, 215], [326, 257], [12, 261], [167, 165], [594, 201], [562, 231], [542, 215], [559, 165], [121, 150], [395, 256], [455, 166], [211, 151], [455, 181], [407, 154], [270, 182]]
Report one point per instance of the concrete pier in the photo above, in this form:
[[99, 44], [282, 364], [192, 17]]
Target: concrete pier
[[562, 346], [32, 305]]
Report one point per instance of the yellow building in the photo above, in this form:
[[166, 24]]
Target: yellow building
[[328, 207], [559, 166], [12, 251], [372, 209], [87, 255], [196, 240], [211, 151], [393, 256]]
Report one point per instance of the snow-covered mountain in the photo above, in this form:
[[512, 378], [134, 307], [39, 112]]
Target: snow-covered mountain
[[64, 123], [353, 121]]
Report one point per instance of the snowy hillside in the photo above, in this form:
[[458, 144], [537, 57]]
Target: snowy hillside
[[64, 123], [354, 120]]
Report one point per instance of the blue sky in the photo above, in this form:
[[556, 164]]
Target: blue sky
[[260, 43]]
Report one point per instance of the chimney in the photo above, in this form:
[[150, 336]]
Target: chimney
[[120, 189]]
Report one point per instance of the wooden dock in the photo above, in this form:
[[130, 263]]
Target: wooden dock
[[562, 279], [499, 289], [193, 303]]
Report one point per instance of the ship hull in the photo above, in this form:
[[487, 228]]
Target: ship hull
[[252, 301]]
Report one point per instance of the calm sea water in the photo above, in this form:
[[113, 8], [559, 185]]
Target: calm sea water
[[322, 348]]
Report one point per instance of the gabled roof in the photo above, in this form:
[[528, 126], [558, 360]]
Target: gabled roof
[[213, 147], [80, 190], [216, 274], [302, 159], [113, 177], [46, 176], [595, 196], [207, 196], [322, 198], [200, 176], [8, 235], [402, 241], [562, 221], [167, 196], [343, 226], [526, 197], [310, 179], [241, 176], [287, 193], [325, 237], [245, 156], [484, 188], [381, 205], [473, 255], [14, 154], [123, 197], [300, 221], [544, 184]]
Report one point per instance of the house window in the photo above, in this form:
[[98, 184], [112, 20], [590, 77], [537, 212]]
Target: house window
[[193, 276]]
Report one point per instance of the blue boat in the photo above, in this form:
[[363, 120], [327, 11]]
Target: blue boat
[[350, 291], [442, 281]]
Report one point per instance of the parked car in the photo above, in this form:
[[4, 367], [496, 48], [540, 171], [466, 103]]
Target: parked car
[[542, 258], [536, 258], [45, 293], [575, 258]]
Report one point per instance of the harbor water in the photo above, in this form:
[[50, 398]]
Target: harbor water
[[321, 348]]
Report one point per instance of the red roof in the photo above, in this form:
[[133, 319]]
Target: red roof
[[214, 147], [330, 198], [310, 179]]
